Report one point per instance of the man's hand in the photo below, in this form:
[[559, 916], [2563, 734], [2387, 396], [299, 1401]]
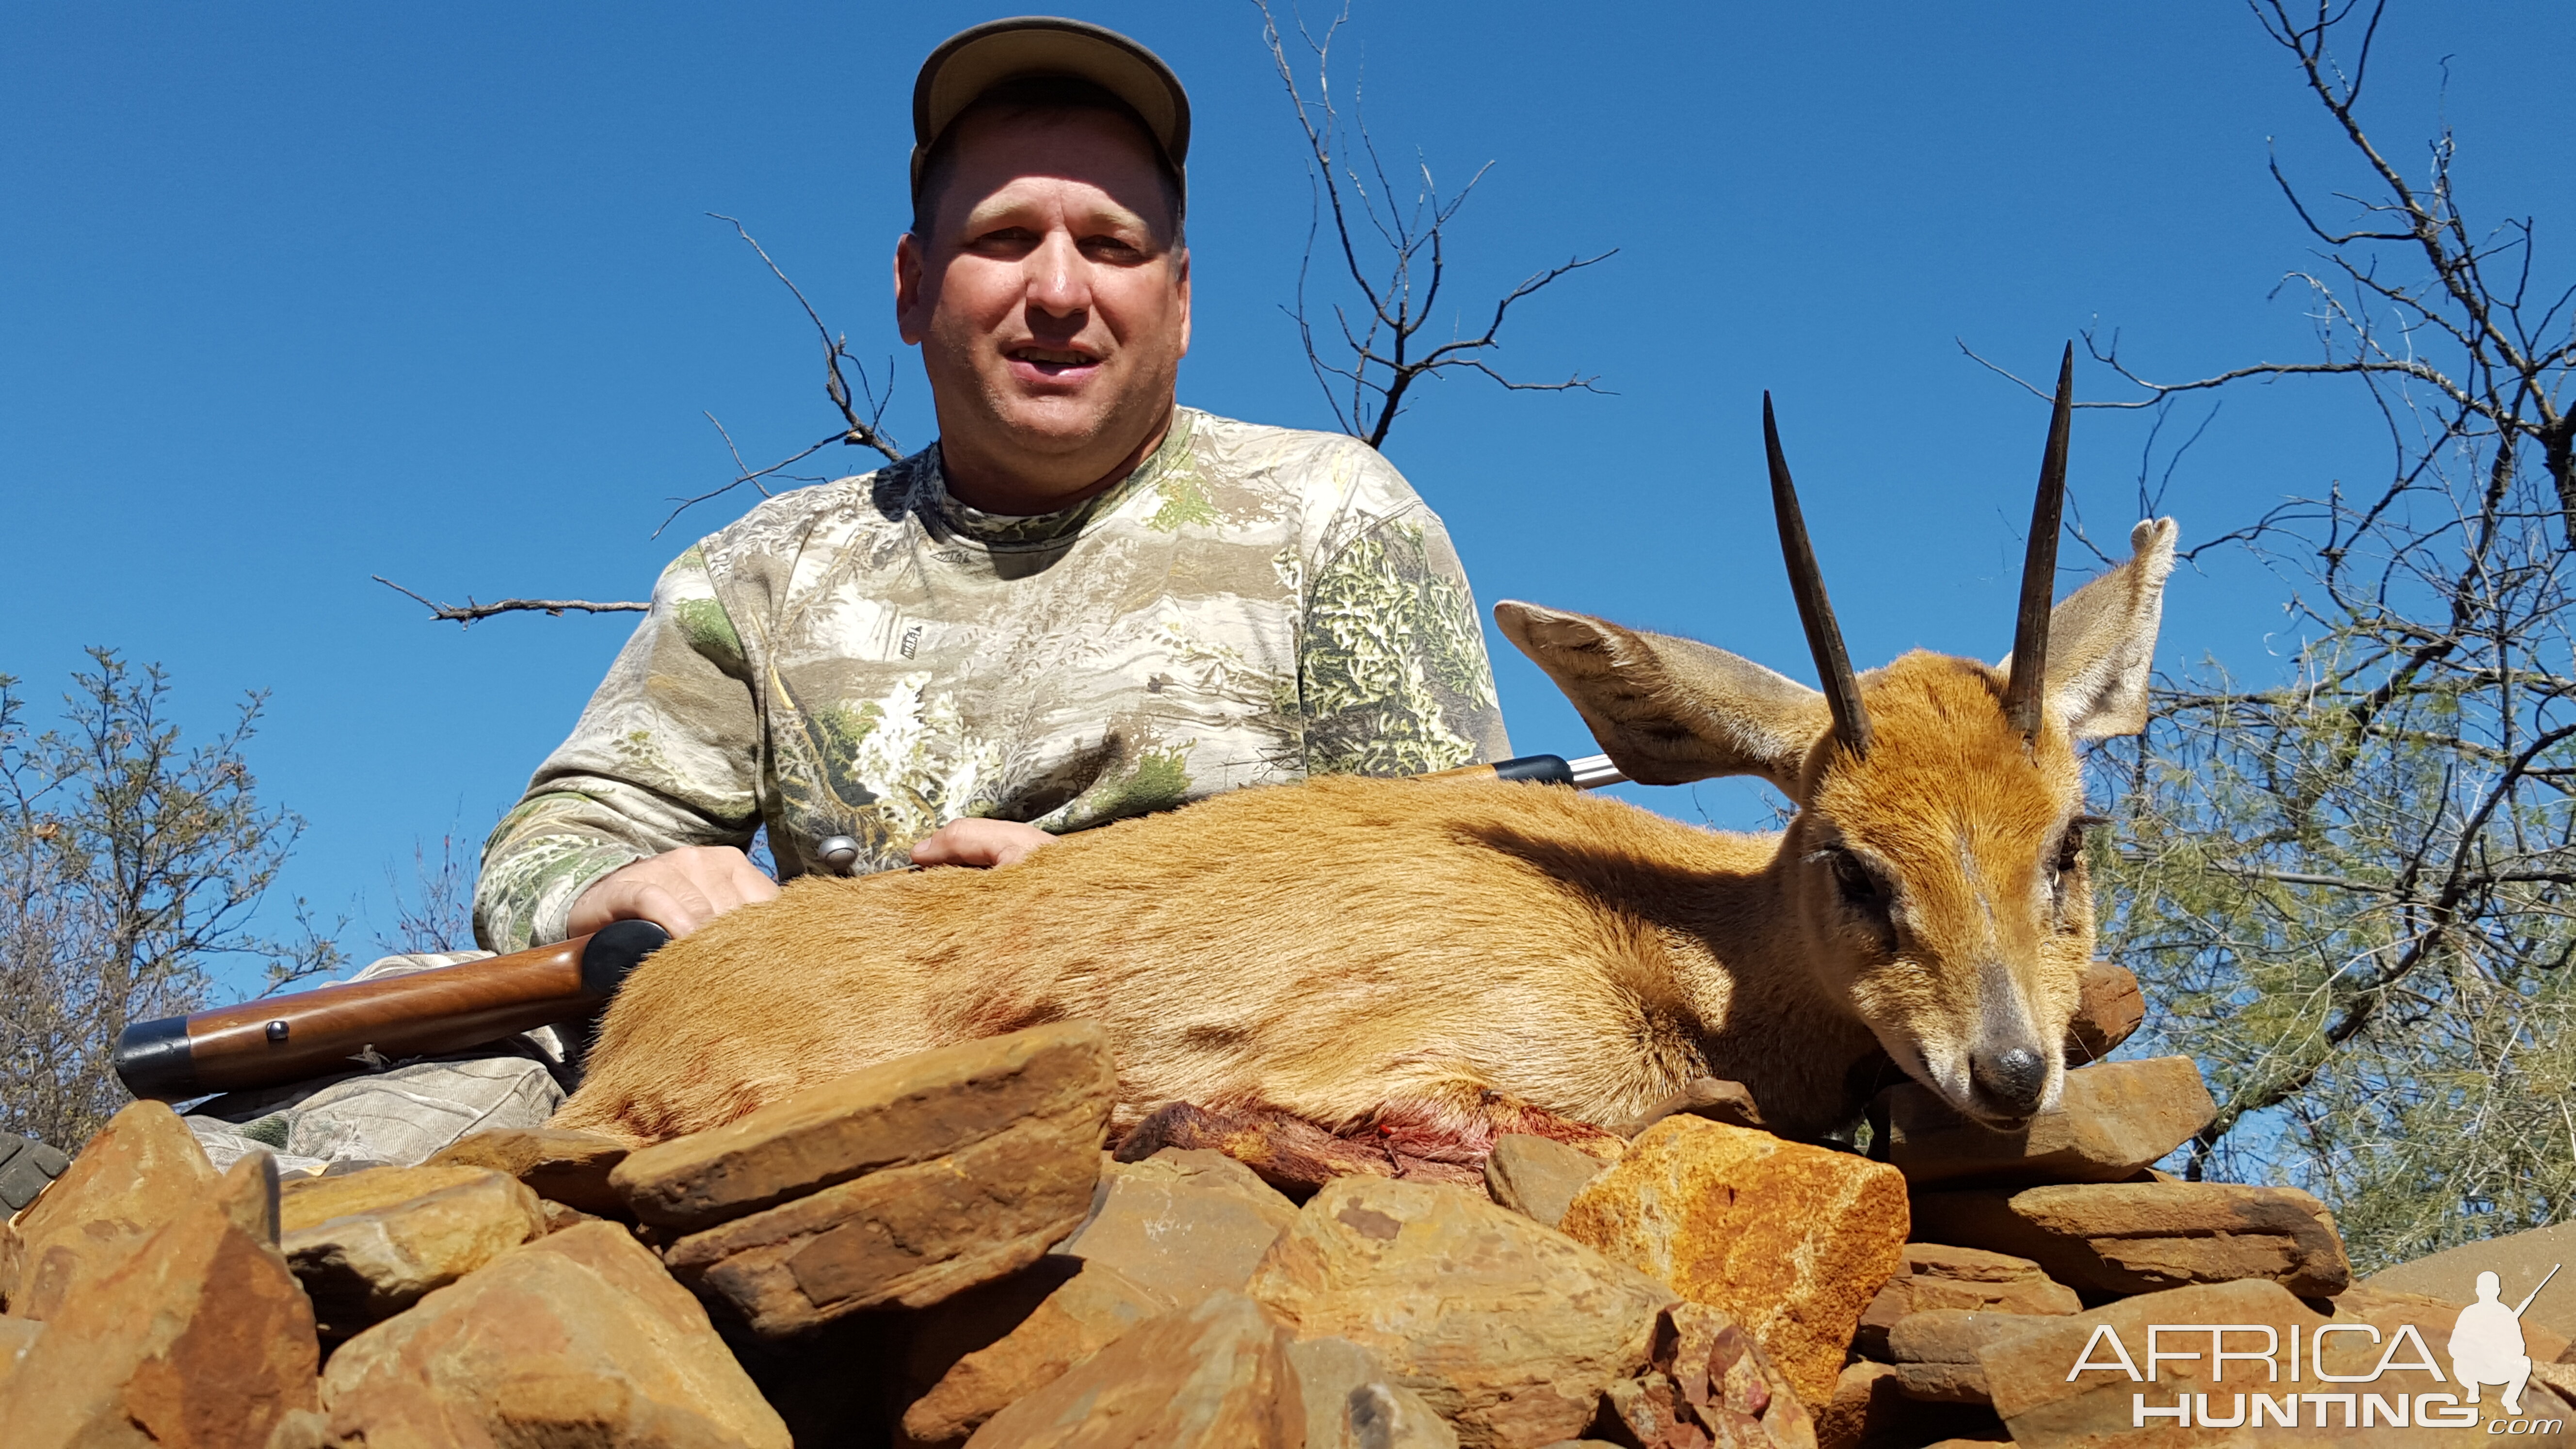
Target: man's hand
[[678, 891], [979, 842]]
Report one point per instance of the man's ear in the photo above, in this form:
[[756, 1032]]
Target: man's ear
[[1670, 711], [911, 311], [2102, 640]]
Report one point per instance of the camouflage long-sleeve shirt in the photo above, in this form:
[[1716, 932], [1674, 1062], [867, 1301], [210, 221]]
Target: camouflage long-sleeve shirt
[[873, 658]]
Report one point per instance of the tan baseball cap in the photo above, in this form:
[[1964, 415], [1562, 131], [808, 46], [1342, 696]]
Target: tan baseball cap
[[975, 60]]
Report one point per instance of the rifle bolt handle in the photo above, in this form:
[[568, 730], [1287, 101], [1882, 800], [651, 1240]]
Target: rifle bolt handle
[[840, 852]]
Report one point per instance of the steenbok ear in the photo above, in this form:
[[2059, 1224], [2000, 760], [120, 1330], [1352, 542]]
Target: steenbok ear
[[1670, 711], [2102, 640]]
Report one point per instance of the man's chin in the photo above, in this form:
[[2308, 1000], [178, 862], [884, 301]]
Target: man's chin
[[1057, 421], [1054, 427]]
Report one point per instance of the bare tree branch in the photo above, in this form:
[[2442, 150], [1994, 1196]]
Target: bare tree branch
[[743, 473], [836, 350], [855, 431], [469, 611], [1399, 291], [2354, 891]]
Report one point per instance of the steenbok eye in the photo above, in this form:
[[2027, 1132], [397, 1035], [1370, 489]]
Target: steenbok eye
[[2070, 848], [1859, 886], [2070, 855]]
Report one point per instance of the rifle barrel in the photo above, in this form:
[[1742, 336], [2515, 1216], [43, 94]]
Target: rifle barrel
[[1589, 773], [1594, 771], [444, 1009]]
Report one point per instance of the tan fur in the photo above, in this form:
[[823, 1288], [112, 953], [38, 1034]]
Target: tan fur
[[1427, 957]]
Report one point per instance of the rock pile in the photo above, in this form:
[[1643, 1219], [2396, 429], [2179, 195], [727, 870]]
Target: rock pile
[[938, 1252], [2038, 1261]]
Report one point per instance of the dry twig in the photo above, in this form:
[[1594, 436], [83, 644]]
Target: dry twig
[[855, 431], [469, 611], [2351, 892], [1382, 334]]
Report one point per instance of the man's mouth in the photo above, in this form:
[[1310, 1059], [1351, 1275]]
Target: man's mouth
[[1052, 361]]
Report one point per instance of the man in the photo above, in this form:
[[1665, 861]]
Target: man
[[1083, 602]]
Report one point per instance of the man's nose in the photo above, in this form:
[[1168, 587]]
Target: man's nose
[[1059, 276]]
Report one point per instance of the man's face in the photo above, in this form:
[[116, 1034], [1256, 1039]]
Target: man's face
[[1049, 302]]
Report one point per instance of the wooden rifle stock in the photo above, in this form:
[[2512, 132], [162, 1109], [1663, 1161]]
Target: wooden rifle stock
[[445, 1009]]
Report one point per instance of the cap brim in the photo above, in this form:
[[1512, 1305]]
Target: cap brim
[[973, 61]]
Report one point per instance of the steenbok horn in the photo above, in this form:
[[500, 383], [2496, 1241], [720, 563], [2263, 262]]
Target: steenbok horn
[[2023, 693]]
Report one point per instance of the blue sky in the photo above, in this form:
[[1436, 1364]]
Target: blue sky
[[295, 294]]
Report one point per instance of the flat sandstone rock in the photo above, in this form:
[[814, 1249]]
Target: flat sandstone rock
[[556, 1163], [370, 1244], [1351, 1403], [198, 1338], [2112, 1120], [303, 1202], [912, 1235], [1211, 1377], [1935, 1352], [1939, 1276], [1091, 1308], [892, 1115], [1537, 1177], [17, 1335], [143, 1170], [577, 1338], [2108, 1009], [1183, 1223], [1508, 1330], [1792, 1241], [2144, 1237]]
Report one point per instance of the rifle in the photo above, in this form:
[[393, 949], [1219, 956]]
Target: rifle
[[284, 1039]]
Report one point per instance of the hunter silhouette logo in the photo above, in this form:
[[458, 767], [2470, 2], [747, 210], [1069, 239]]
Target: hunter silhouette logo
[[2486, 1343]]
